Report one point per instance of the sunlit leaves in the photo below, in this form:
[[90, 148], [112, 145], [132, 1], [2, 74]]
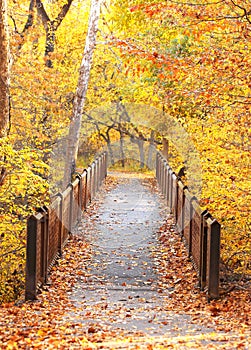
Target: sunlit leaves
[[195, 57], [41, 103]]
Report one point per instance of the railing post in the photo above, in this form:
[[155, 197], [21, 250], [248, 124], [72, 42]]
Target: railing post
[[84, 190], [100, 171], [156, 167], [92, 180], [169, 189], [213, 258], [90, 183], [187, 220], [97, 175], [80, 199], [180, 205], [175, 195], [44, 243], [106, 163], [31, 257], [60, 231], [70, 224], [165, 178], [103, 167], [161, 175], [203, 246]]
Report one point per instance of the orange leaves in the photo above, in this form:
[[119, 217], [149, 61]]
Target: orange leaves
[[151, 9], [135, 8]]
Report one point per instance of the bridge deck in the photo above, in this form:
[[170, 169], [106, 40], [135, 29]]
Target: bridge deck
[[125, 285]]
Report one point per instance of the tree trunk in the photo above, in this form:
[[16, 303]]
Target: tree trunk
[[109, 146], [4, 78], [4, 70], [150, 150], [78, 104], [165, 148], [141, 153], [50, 45], [122, 152], [107, 139]]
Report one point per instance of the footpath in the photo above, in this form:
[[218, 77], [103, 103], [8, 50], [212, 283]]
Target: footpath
[[123, 288], [131, 275], [125, 282]]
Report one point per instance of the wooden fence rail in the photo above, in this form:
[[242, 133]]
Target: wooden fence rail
[[199, 229], [49, 229]]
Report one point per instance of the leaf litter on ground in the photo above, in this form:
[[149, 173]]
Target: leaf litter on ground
[[51, 322]]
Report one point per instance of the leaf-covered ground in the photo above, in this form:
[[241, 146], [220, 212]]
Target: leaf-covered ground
[[76, 311]]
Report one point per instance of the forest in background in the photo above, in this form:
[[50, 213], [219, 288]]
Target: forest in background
[[189, 61]]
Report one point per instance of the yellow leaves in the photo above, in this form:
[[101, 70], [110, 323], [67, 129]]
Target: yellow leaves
[[22, 190], [12, 346]]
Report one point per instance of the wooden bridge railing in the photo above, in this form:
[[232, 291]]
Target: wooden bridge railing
[[199, 229], [49, 229]]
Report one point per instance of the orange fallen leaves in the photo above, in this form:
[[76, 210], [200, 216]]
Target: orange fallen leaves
[[54, 321]]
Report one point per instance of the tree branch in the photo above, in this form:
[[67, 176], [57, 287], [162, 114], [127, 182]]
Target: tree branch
[[56, 22], [30, 19], [42, 13]]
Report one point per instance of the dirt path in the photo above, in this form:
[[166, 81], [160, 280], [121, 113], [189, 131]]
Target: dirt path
[[125, 282]]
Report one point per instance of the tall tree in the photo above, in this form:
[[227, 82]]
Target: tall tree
[[4, 69], [4, 77], [79, 100]]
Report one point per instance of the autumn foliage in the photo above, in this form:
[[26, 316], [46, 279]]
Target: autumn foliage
[[195, 59], [188, 59]]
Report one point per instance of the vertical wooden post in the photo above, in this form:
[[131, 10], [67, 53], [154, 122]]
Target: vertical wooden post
[[213, 258], [71, 210], [44, 244], [180, 205], [97, 175], [89, 184], [106, 163], [60, 222], [203, 248], [156, 167], [80, 198], [165, 178], [174, 192], [31, 257], [92, 181], [85, 189]]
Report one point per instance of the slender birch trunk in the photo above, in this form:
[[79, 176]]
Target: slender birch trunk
[[4, 69], [79, 100], [4, 79]]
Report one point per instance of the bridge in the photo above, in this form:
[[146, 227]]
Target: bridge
[[51, 227]]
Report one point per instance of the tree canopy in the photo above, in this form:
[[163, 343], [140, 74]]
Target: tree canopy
[[188, 60]]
